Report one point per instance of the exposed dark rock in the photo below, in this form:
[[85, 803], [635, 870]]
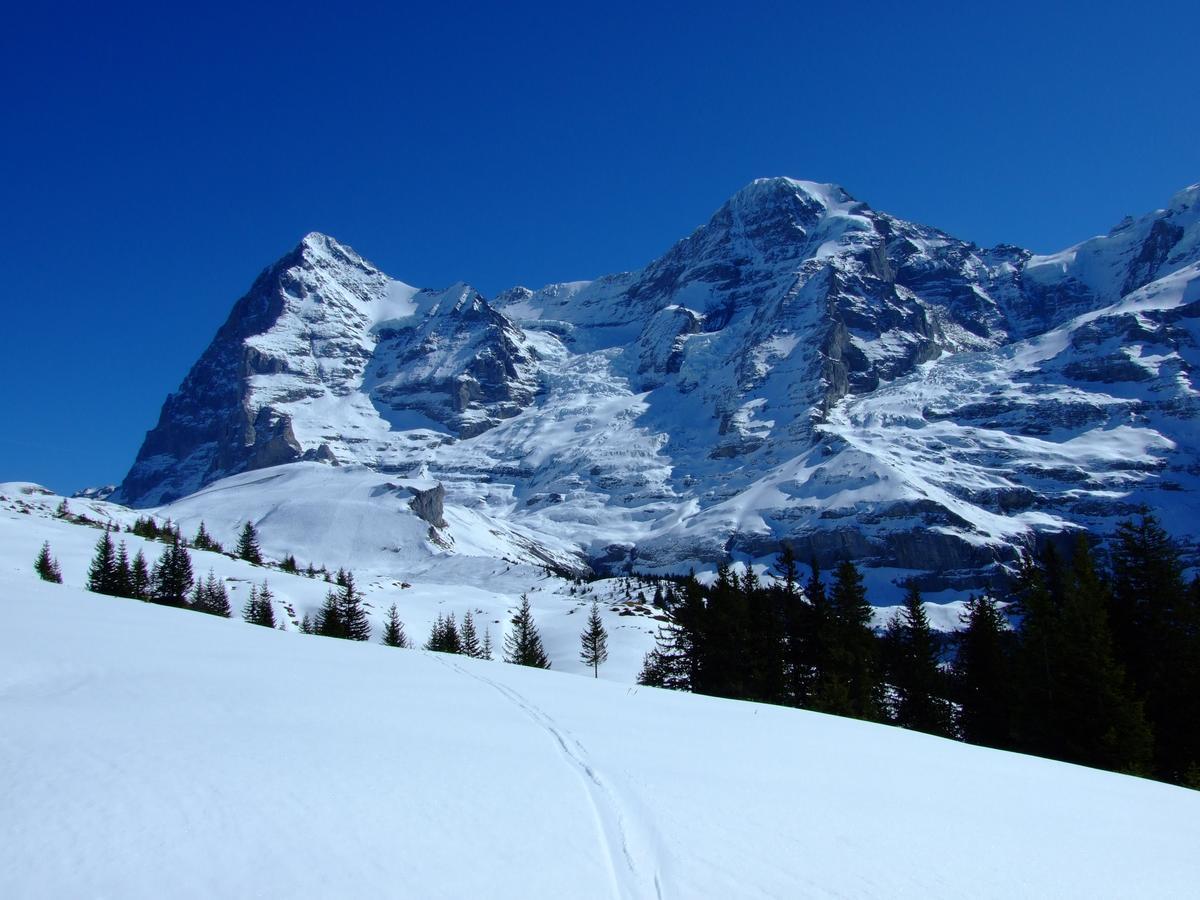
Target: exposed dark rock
[[429, 505]]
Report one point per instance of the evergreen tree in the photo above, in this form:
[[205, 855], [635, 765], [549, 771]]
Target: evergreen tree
[[47, 566], [675, 659], [139, 577], [260, 608], [393, 630], [594, 641], [669, 663], [913, 670], [102, 573], [523, 644], [266, 606], [171, 580], [306, 625], [355, 624], [209, 596], [485, 650], [205, 541], [847, 681], [443, 637], [1156, 625], [146, 527], [468, 638], [328, 622], [720, 622], [289, 564], [806, 621], [1075, 703], [61, 511], [786, 570], [250, 608], [122, 575], [247, 547], [983, 675], [766, 646]]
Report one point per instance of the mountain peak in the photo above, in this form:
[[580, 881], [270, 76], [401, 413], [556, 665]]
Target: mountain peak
[[316, 246], [770, 191], [315, 240], [1187, 198]]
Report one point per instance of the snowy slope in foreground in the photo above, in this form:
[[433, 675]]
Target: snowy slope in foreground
[[152, 752]]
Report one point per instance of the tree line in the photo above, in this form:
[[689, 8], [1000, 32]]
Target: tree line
[[172, 582], [1089, 658]]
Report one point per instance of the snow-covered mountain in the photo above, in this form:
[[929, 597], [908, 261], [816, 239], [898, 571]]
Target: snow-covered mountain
[[800, 368]]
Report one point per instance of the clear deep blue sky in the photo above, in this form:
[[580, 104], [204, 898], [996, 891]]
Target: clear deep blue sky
[[155, 159]]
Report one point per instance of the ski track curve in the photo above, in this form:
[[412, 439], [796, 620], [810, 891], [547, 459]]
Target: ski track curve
[[630, 878]]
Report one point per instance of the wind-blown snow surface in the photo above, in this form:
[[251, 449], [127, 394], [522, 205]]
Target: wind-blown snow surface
[[150, 752], [801, 368]]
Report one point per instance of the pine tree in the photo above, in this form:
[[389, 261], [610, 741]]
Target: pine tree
[[847, 680], [523, 644], [786, 570], [722, 621], [306, 625], [247, 547], [205, 541], [210, 597], [806, 622], [1156, 630], [913, 669], [1075, 702], [355, 624], [250, 608], [122, 576], [670, 662], [328, 622], [443, 637], [677, 657], [983, 675], [485, 650], [139, 577], [47, 566], [289, 564], [766, 644], [266, 605], [260, 607], [102, 573], [594, 641], [62, 511], [171, 581], [146, 527], [393, 630], [468, 638]]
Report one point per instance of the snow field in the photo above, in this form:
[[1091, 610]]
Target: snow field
[[150, 751], [325, 530]]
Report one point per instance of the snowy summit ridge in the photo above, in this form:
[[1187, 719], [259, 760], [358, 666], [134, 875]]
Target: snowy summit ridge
[[801, 367]]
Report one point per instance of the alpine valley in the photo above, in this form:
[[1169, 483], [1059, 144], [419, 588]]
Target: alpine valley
[[801, 368]]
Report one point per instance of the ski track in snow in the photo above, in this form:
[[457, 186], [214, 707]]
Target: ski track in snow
[[611, 824]]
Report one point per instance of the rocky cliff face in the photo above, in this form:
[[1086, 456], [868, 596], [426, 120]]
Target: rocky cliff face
[[800, 368]]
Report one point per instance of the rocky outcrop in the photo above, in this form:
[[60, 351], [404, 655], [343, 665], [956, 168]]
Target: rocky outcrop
[[429, 504], [464, 365]]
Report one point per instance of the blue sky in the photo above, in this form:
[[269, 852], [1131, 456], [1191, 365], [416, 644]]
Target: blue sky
[[155, 160]]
